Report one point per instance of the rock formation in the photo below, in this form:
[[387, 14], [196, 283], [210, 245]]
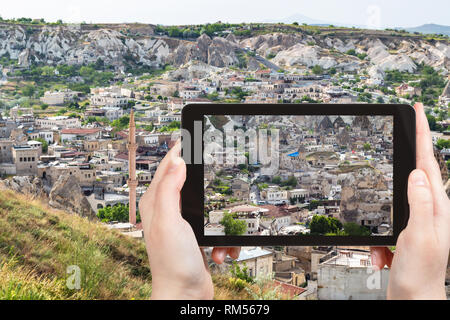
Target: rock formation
[[27, 185], [365, 196], [122, 44], [67, 195]]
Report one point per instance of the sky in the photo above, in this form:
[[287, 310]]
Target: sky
[[371, 13]]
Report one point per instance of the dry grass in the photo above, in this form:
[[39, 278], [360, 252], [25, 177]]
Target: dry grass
[[38, 243]]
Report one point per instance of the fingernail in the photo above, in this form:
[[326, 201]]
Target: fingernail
[[418, 178]]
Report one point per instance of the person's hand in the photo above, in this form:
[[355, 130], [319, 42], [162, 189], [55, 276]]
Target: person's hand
[[419, 265], [178, 265]]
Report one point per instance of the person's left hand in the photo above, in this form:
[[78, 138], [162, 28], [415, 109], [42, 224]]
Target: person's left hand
[[179, 267]]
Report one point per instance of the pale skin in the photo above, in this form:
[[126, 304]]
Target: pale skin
[[419, 264], [179, 267]]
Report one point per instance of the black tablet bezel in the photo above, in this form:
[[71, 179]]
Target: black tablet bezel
[[192, 194]]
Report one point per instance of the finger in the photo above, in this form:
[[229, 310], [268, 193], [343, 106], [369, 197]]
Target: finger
[[425, 159], [165, 163], [234, 252], [424, 146], [167, 193], [219, 254], [420, 201], [378, 257], [149, 195]]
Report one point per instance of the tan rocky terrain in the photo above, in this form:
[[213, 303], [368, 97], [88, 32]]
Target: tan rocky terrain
[[119, 44]]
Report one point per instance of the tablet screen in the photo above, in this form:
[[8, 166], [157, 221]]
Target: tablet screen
[[299, 175]]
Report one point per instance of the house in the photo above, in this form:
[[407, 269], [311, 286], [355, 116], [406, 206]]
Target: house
[[287, 269], [80, 134], [57, 98], [275, 195], [25, 159], [298, 195], [240, 189], [259, 262], [58, 121], [334, 273], [405, 89]]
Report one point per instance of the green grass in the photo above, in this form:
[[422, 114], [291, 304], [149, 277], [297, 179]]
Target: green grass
[[38, 243]]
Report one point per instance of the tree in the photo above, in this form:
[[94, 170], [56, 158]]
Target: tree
[[118, 212], [351, 52], [121, 123], [44, 106], [431, 121], [317, 69], [44, 144], [28, 90], [367, 146], [240, 273], [353, 229], [442, 144], [233, 227], [323, 225], [276, 180]]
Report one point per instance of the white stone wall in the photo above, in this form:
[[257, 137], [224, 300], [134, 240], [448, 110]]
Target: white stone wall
[[343, 283]]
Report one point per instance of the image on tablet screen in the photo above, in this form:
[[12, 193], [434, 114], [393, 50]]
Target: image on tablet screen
[[298, 175]]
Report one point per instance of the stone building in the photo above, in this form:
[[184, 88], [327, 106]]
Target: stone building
[[25, 159], [240, 189], [258, 261], [348, 275]]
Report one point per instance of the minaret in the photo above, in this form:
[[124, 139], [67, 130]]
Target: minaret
[[132, 182]]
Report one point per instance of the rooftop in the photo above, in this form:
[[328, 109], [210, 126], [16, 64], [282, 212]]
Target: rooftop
[[252, 253]]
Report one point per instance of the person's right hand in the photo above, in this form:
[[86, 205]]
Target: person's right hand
[[419, 265]]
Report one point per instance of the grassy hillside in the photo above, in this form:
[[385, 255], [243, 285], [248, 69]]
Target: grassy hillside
[[38, 243]]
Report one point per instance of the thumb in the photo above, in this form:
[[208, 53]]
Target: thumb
[[167, 197], [420, 200]]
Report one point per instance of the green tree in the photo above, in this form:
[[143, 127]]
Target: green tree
[[276, 180], [443, 144], [233, 227], [317, 69], [28, 90], [367, 146], [118, 212], [354, 229], [44, 144], [240, 273], [323, 225]]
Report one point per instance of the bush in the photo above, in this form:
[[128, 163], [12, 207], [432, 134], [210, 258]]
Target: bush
[[240, 273], [234, 227], [323, 225]]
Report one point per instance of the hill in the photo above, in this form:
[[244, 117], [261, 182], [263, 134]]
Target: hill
[[431, 29], [38, 243]]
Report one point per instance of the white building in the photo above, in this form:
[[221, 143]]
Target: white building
[[58, 121], [275, 195], [349, 275], [113, 113]]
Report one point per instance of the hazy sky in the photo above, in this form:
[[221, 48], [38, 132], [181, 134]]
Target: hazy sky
[[377, 13]]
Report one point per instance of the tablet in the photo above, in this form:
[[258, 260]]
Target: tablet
[[297, 174]]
